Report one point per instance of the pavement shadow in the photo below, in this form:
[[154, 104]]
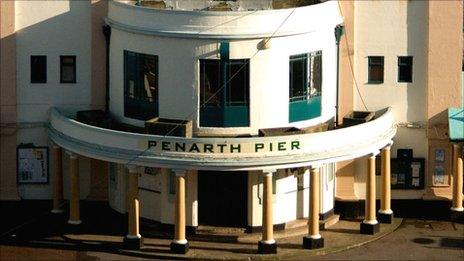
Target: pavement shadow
[[344, 230]]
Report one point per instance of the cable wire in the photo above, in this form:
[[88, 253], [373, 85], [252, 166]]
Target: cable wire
[[351, 62], [230, 79]]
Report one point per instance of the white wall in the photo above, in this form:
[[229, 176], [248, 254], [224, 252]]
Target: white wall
[[290, 202], [50, 28], [400, 33], [269, 76]]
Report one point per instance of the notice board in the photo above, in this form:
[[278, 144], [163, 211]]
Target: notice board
[[32, 164]]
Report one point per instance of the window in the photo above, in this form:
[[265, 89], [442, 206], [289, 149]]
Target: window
[[305, 76], [305, 86], [224, 93], [375, 74], [140, 85], [38, 69], [67, 69], [405, 69]]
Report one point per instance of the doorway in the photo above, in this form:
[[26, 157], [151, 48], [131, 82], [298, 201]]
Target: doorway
[[223, 198]]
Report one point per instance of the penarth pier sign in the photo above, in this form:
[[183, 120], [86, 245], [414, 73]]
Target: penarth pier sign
[[200, 147]]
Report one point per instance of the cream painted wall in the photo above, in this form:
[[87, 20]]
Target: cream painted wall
[[291, 200], [402, 32], [50, 28], [178, 69]]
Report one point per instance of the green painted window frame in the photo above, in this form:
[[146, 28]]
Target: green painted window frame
[[405, 65], [140, 100], [305, 86], [375, 66], [219, 104]]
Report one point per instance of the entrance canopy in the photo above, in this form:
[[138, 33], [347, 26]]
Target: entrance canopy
[[456, 124], [286, 151]]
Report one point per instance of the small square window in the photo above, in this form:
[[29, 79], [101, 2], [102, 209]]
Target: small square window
[[38, 69], [405, 69], [68, 69], [375, 74]]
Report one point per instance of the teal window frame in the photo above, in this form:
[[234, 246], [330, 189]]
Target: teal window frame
[[376, 69], [405, 69], [140, 101], [224, 92], [305, 86]]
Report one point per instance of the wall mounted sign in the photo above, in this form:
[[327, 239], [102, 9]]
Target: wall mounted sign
[[32, 164], [221, 148]]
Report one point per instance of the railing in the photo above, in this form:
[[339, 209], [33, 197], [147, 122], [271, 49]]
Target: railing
[[329, 146], [126, 16]]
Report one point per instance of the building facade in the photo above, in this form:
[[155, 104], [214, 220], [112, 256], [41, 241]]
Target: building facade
[[225, 112]]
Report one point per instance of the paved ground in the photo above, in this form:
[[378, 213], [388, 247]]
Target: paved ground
[[29, 232]]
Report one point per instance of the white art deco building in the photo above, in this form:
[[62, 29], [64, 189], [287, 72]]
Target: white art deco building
[[222, 113]]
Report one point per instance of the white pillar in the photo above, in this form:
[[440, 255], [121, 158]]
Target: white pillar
[[314, 239], [267, 245], [385, 212], [370, 225], [457, 181], [180, 244], [74, 208], [57, 180], [133, 239]]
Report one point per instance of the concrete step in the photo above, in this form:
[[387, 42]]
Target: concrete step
[[330, 221]]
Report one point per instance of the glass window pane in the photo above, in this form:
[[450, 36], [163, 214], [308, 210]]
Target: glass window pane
[[238, 85], [405, 69], [298, 76], [67, 69], [375, 73], [210, 74], [315, 74], [38, 69], [140, 85]]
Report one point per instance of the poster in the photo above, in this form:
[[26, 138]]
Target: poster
[[439, 155], [415, 166], [32, 165], [439, 175]]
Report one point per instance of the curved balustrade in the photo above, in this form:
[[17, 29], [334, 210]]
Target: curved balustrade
[[222, 153], [125, 15]]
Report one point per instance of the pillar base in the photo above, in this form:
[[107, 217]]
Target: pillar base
[[179, 248], [57, 211], [267, 248], [386, 218], [313, 243], [457, 216], [133, 243], [369, 229], [74, 222]]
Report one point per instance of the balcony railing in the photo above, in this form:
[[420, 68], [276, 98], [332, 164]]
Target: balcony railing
[[222, 153]]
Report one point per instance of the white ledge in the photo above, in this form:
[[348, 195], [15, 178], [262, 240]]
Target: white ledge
[[223, 25], [222, 153]]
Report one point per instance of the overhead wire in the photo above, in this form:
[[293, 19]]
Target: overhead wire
[[266, 40], [351, 63]]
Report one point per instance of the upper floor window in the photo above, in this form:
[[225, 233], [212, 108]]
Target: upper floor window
[[305, 86], [305, 76], [38, 69], [375, 70], [405, 69], [224, 93], [140, 85], [68, 69]]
